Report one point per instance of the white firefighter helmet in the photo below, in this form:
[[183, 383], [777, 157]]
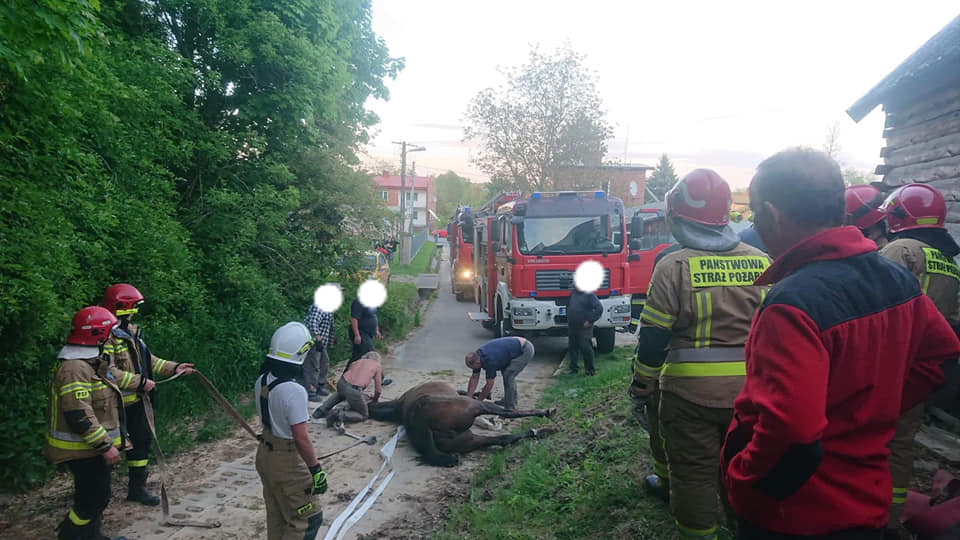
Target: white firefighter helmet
[[290, 343]]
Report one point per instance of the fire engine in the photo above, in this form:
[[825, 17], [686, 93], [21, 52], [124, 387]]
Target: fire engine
[[649, 235], [526, 251], [460, 237]]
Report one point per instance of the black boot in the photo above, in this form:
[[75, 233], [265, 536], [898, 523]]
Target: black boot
[[98, 535], [68, 530], [137, 488]]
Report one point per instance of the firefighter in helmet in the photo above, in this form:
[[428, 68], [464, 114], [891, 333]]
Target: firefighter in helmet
[[918, 240], [135, 368], [863, 203], [286, 461], [692, 334], [86, 431]]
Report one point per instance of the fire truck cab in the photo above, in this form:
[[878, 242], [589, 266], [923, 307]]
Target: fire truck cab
[[460, 238], [649, 234], [526, 251]]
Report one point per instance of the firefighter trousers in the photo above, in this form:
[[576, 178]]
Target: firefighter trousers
[[140, 436], [293, 513], [902, 450], [694, 438], [91, 494], [649, 407]]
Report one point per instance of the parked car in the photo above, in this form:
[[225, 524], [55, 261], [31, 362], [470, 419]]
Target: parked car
[[376, 264]]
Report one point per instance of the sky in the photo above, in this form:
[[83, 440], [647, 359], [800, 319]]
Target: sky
[[711, 84]]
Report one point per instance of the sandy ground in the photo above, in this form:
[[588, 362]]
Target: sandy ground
[[218, 481]]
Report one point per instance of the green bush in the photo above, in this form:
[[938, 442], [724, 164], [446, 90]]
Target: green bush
[[202, 151]]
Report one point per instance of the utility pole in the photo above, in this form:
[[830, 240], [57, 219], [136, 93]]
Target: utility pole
[[403, 186], [413, 194]]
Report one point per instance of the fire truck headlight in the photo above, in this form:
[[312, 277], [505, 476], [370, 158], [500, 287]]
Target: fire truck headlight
[[620, 308], [466, 274], [523, 312]]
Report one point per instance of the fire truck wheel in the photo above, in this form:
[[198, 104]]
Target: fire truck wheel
[[606, 338], [459, 296]]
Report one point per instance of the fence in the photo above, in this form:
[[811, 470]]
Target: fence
[[416, 242]]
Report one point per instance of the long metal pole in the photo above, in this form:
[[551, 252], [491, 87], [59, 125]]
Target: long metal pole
[[413, 185], [403, 183]]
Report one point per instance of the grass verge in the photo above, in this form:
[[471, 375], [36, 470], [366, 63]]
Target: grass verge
[[419, 263], [583, 482]]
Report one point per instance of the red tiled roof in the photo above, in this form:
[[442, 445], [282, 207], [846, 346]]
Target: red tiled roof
[[393, 181]]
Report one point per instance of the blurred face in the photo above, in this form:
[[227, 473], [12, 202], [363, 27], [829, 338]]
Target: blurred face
[[472, 361]]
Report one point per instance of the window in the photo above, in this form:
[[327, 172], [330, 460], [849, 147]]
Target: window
[[416, 215], [383, 195]]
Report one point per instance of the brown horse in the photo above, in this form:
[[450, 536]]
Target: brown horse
[[438, 421]]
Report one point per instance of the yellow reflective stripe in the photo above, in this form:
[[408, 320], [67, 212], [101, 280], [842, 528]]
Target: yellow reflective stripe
[[704, 369], [137, 462], [660, 468], [763, 294], [78, 385], [126, 380], [77, 520], [97, 434], [689, 533], [638, 301], [129, 398], [130, 311], [704, 319], [657, 318], [647, 371], [936, 262], [74, 445], [927, 221], [635, 321], [899, 495], [158, 365]]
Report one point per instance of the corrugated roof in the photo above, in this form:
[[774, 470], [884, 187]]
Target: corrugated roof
[[393, 181], [937, 54]]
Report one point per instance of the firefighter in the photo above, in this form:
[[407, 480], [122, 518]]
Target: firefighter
[[863, 210], [86, 431], [135, 369], [915, 216], [693, 329], [286, 461]]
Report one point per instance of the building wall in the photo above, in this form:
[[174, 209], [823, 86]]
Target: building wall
[[923, 145]]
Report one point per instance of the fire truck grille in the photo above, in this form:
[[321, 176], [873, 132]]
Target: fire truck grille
[[560, 280]]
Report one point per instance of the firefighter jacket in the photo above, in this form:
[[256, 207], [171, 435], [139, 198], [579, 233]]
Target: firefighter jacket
[[133, 363], [699, 307], [84, 414], [843, 344], [938, 274]]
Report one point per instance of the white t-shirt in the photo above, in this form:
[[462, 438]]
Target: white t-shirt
[[287, 403]]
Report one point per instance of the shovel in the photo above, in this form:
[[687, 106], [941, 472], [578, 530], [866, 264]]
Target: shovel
[[343, 431]]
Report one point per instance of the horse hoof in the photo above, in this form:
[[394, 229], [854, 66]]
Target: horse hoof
[[551, 411]]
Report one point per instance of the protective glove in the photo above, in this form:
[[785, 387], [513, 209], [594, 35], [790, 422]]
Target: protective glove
[[640, 397], [319, 479]]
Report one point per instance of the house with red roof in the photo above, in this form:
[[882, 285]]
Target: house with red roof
[[419, 194]]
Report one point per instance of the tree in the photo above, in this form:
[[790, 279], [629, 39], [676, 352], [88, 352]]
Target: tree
[[852, 177], [831, 145], [545, 117], [663, 178], [453, 190]]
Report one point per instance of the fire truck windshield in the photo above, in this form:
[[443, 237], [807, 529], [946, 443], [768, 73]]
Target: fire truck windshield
[[570, 235]]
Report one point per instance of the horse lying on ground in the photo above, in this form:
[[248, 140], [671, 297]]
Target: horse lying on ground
[[438, 421]]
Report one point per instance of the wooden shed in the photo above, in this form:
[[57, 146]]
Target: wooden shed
[[921, 99]]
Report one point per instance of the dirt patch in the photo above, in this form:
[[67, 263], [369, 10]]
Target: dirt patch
[[218, 482]]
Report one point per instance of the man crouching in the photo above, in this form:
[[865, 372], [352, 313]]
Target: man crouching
[[350, 387]]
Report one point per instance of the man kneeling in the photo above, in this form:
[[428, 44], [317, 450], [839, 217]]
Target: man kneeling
[[350, 388]]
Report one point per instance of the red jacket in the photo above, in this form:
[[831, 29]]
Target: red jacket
[[843, 343]]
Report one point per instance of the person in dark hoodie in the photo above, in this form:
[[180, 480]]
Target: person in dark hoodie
[[915, 215], [584, 310]]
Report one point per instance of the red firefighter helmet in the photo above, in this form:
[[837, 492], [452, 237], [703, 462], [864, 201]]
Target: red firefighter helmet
[[915, 206], [863, 206], [91, 326], [700, 196], [122, 299]]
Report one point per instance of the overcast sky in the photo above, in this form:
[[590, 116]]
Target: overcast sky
[[712, 84]]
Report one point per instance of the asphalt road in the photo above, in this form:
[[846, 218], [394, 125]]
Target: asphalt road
[[448, 334]]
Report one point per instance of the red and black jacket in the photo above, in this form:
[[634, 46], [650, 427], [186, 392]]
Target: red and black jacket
[[843, 343]]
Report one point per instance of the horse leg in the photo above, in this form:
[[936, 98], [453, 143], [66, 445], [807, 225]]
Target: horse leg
[[469, 441], [493, 408], [386, 411]]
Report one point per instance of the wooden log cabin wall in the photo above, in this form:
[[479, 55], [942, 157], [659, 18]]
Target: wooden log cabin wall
[[921, 99]]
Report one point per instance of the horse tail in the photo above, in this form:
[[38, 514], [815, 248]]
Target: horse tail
[[386, 411]]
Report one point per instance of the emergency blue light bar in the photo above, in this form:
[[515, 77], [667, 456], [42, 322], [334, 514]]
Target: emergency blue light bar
[[533, 293], [466, 209], [536, 195], [598, 194]]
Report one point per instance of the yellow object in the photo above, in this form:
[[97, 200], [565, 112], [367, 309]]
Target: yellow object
[[726, 271]]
